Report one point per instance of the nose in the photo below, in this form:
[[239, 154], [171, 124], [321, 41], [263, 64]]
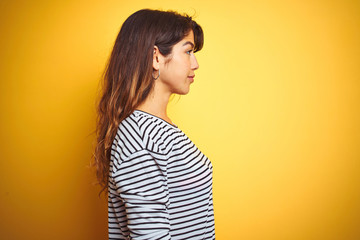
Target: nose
[[194, 63]]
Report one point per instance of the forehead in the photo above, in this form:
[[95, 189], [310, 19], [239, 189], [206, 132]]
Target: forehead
[[188, 38]]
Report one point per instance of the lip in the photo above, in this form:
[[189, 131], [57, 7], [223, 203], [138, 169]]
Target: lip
[[191, 78]]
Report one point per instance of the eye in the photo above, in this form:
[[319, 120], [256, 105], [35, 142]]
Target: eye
[[189, 52]]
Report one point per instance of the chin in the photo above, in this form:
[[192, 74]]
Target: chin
[[184, 92]]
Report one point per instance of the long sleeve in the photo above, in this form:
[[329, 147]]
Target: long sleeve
[[160, 183], [141, 183]]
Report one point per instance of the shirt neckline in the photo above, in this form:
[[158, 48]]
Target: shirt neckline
[[171, 124]]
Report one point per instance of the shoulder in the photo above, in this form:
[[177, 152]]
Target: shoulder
[[155, 132], [138, 133]]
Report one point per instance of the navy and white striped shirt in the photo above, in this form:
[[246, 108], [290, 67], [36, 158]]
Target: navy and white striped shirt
[[160, 184]]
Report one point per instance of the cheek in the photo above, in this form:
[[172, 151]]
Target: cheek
[[185, 65], [180, 69], [177, 69]]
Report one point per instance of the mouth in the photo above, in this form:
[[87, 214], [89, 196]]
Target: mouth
[[191, 78]]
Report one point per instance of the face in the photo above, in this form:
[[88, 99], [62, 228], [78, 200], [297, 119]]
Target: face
[[177, 74]]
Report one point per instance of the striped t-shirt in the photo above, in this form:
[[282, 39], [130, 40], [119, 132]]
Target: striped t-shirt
[[160, 184]]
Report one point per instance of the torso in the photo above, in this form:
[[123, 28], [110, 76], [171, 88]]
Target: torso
[[174, 180]]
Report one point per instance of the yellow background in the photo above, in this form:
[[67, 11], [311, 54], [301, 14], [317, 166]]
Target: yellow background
[[275, 106]]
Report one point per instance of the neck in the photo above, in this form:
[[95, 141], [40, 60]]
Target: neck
[[156, 104]]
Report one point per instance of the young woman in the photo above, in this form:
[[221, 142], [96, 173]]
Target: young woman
[[159, 184]]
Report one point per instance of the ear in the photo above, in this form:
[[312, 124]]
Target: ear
[[156, 58]]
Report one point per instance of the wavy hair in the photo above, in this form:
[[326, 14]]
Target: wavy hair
[[127, 79]]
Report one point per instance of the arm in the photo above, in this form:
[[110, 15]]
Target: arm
[[141, 182]]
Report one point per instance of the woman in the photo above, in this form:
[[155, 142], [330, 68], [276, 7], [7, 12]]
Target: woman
[[159, 184]]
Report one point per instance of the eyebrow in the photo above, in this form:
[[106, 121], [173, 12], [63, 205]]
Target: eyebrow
[[190, 43]]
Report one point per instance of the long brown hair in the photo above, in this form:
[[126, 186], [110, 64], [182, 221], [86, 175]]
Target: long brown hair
[[127, 79]]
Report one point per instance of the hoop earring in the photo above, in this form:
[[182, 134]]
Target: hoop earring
[[155, 77]]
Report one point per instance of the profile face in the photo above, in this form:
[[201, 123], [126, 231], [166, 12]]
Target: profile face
[[177, 75]]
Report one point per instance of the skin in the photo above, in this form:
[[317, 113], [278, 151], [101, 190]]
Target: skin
[[175, 77]]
